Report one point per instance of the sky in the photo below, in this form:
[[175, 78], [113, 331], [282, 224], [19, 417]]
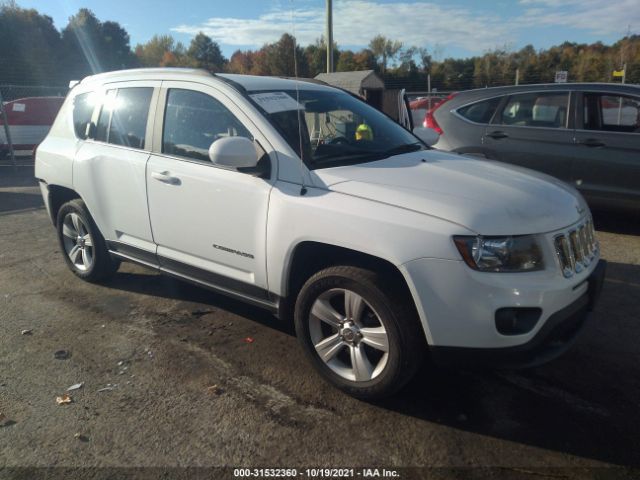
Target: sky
[[450, 28]]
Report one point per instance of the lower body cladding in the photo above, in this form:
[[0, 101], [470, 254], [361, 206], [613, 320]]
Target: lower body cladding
[[505, 320]]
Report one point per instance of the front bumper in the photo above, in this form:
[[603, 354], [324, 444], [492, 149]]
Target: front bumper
[[554, 338]]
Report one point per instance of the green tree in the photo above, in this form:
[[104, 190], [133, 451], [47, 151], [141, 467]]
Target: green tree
[[206, 53], [384, 49], [283, 58], [316, 56], [89, 46], [30, 48]]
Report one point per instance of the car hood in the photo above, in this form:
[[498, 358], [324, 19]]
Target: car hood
[[487, 197]]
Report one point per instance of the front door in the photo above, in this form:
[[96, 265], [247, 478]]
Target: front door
[[533, 130], [208, 222]]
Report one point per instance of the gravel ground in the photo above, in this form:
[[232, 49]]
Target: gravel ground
[[184, 388]]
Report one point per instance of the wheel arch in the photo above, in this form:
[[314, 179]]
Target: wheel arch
[[309, 257], [58, 196]]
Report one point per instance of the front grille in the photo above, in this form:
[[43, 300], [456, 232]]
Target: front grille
[[576, 248]]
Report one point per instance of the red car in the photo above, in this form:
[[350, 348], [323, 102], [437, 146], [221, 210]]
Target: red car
[[29, 122]]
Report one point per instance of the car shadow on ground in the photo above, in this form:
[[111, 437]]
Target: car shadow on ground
[[19, 176], [17, 201], [167, 287], [583, 404]]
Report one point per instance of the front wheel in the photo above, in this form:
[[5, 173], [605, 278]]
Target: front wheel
[[82, 244], [361, 333]]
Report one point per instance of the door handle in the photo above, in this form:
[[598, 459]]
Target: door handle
[[592, 142], [497, 135], [165, 177]]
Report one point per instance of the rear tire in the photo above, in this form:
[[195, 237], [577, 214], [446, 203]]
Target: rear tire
[[82, 244], [360, 332]]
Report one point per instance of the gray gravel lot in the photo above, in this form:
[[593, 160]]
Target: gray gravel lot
[[163, 343]]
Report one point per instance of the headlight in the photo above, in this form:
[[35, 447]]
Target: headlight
[[500, 254]]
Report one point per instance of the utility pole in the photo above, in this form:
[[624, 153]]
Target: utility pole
[[329, 37], [624, 72], [517, 76]]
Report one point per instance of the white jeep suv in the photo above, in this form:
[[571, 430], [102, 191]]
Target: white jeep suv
[[302, 199]]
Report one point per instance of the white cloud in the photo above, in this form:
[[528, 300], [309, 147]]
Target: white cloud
[[599, 17], [422, 23], [357, 21]]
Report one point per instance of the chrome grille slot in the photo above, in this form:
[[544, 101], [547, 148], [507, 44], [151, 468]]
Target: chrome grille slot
[[576, 248]]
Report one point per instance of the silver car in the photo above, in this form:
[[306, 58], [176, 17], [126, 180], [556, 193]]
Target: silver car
[[587, 134]]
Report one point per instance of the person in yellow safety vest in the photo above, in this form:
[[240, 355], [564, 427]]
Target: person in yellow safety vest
[[364, 132]]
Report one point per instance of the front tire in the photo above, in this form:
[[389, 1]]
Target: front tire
[[82, 244], [360, 332]]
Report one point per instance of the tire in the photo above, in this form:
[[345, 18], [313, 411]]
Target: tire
[[82, 244], [381, 317]]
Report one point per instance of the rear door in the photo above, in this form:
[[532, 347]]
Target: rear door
[[607, 164], [209, 222], [533, 130], [109, 169]]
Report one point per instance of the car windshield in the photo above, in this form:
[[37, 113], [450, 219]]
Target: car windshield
[[332, 128]]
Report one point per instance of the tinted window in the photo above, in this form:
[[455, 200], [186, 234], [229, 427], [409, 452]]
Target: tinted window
[[193, 121], [480, 112], [129, 117], [613, 113], [105, 116], [82, 110], [535, 110]]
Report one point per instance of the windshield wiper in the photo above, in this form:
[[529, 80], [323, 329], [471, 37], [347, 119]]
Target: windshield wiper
[[405, 148]]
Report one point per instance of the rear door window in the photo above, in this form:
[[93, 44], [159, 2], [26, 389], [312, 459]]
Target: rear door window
[[611, 113], [480, 112], [124, 115], [193, 121], [129, 117], [544, 109]]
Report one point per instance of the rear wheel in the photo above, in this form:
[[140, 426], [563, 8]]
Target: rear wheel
[[360, 332], [83, 246]]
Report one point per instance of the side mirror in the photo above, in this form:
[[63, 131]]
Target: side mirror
[[427, 135], [236, 152]]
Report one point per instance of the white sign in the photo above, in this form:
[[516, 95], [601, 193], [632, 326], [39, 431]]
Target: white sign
[[562, 76], [274, 102], [19, 107]]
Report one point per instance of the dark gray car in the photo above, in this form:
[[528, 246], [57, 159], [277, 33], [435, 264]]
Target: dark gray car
[[587, 134]]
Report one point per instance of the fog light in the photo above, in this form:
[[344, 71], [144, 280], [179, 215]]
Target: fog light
[[517, 320]]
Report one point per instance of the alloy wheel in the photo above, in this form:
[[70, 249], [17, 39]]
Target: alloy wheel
[[78, 243], [348, 335]]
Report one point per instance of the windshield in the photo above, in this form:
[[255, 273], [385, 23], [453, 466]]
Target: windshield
[[331, 128]]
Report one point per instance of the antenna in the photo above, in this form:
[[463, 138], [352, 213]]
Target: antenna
[[303, 189], [329, 37]]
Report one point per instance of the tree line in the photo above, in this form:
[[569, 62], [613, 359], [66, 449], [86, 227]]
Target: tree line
[[34, 52]]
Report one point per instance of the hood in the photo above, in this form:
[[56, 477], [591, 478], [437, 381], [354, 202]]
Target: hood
[[487, 197]]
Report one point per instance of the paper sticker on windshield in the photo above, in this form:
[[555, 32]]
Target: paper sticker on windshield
[[274, 102]]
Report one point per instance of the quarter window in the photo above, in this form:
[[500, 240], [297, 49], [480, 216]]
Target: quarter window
[[480, 112], [82, 111], [535, 110], [193, 121], [612, 113]]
